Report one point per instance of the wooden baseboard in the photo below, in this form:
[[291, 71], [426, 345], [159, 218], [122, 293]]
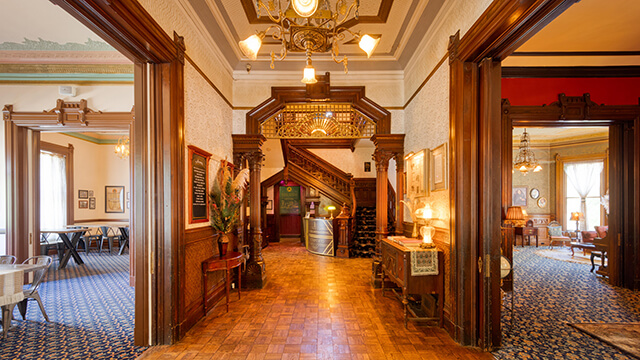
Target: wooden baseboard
[[195, 311]]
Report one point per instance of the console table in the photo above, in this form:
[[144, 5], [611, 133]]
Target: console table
[[528, 232], [396, 266], [222, 263]]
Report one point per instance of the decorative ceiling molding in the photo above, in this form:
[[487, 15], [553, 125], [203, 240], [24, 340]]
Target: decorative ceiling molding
[[380, 18], [62, 57], [91, 139], [576, 53], [66, 69], [41, 44], [570, 71]]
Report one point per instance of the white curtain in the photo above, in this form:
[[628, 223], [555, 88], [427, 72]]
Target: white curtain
[[583, 176], [53, 191]]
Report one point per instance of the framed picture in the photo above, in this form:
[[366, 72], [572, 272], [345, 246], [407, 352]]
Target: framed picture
[[92, 203], [269, 204], [83, 204], [83, 194], [114, 199], [367, 166], [519, 195], [439, 168], [542, 202], [198, 193], [416, 166], [534, 193], [91, 193]]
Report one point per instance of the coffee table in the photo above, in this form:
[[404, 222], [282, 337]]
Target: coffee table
[[583, 246]]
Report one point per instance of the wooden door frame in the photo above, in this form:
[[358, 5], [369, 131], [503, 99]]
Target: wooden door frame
[[157, 151], [474, 99]]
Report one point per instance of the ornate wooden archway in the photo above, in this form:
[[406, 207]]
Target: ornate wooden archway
[[247, 153]]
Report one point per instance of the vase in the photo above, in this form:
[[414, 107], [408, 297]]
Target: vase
[[223, 242]]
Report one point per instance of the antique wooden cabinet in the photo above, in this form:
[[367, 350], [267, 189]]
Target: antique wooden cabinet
[[396, 266]]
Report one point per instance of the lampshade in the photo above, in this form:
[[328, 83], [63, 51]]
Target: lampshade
[[251, 45], [515, 213], [305, 8], [331, 207], [575, 216], [368, 44], [309, 75]]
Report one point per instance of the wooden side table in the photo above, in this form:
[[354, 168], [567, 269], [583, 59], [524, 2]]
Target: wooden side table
[[528, 232], [222, 263]]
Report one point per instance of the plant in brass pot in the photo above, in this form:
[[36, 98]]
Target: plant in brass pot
[[226, 199]]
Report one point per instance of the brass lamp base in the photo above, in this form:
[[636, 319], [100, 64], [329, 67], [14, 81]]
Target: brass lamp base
[[427, 245]]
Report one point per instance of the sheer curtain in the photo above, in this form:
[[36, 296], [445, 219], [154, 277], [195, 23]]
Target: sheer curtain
[[583, 177], [53, 191]]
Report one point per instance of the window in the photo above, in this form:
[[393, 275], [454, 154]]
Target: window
[[583, 187], [53, 191]]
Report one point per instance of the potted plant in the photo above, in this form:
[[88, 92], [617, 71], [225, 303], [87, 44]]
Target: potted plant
[[226, 199]]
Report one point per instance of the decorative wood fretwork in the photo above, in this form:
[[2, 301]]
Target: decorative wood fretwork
[[69, 116]]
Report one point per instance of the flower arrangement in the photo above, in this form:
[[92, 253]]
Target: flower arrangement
[[226, 197]]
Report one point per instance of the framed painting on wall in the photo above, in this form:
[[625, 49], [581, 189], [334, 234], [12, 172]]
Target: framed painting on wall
[[83, 204], [416, 166], [198, 185], [519, 195], [92, 203], [114, 199], [439, 168], [83, 194]]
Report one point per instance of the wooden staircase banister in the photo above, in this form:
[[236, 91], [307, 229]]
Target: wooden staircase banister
[[303, 177]]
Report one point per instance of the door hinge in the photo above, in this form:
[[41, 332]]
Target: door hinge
[[487, 264], [30, 238], [479, 264], [619, 239]]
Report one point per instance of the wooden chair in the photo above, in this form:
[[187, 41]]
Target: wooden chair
[[556, 235], [31, 292], [7, 259]]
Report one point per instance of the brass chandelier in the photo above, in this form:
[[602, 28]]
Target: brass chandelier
[[526, 161], [307, 26], [122, 148]]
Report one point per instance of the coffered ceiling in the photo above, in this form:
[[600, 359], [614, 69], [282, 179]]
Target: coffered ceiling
[[400, 24]]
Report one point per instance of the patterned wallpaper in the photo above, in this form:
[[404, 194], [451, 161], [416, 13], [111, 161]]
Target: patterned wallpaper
[[172, 16], [426, 124], [207, 123]]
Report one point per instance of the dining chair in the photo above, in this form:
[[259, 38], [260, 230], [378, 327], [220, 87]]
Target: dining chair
[[109, 235], [90, 237], [31, 292], [7, 259]]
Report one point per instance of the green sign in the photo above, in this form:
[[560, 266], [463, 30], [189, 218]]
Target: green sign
[[290, 200]]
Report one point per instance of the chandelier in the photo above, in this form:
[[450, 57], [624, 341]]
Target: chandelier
[[308, 26], [122, 148], [526, 160]]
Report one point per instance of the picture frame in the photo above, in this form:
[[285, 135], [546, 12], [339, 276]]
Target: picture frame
[[198, 183], [439, 168], [91, 194], [92, 203], [534, 193], [542, 202], [83, 194], [367, 166], [114, 199], [269, 204], [519, 195], [416, 166], [83, 204]]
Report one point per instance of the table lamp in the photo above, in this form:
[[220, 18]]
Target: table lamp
[[330, 208], [515, 214], [575, 216], [427, 231]]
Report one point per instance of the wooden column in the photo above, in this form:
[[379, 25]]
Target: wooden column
[[387, 146], [342, 221], [250, 148], [399, 193], [239, 164]]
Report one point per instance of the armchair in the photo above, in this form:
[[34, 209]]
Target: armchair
[[557, 235]]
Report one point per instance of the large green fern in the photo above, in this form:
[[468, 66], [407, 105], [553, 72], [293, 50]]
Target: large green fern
[[226, 197]]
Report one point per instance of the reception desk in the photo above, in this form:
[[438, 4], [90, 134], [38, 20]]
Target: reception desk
[[318, 236]]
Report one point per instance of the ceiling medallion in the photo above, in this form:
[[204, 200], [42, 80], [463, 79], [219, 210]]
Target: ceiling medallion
[[308, 26], [526, 161]]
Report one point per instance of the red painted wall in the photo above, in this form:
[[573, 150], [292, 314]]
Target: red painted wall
[[540, 91]]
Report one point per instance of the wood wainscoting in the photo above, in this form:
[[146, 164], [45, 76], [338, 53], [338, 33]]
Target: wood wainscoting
[[541, 221], [200, 245]]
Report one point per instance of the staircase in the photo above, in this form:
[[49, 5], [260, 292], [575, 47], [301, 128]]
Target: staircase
[[363, 243]]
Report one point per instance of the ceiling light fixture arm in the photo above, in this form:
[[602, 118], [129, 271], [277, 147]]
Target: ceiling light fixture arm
[[356, 5], [260, 4]]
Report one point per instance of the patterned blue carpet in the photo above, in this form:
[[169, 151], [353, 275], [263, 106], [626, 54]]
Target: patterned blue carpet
[[91, 308], [550, 294]]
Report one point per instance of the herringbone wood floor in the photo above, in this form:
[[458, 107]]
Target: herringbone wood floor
[[313, 307]]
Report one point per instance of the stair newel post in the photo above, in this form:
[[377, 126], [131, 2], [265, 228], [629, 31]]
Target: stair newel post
[[250, 146], [343, 231], [399, 156]]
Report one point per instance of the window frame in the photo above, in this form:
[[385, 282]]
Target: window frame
[[67, 152], [561, 181]]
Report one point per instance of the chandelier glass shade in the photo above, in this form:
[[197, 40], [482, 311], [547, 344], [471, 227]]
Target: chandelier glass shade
[[309, 26], [526, 161], [122, 148]]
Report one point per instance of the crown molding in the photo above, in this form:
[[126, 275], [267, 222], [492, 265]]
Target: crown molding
[[204, 34], [224, 26], [295, 76]]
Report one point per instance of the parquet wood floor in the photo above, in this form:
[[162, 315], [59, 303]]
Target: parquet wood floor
[[313, 307]]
